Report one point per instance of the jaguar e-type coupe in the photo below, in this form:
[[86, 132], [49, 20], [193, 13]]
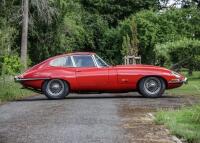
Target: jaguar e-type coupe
[[78, 72]]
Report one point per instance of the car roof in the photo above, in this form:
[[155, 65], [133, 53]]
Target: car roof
[[81, 53], [71, 54]]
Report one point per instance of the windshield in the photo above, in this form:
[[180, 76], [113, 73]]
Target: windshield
[[100, 62]]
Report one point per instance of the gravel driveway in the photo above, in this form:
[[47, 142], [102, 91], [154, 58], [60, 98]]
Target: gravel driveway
[[86, 118]]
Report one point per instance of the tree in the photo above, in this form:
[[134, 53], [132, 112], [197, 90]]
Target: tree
[[165, 26], [130, 43], [180, 53], [115, 10], [105, 27], [44, 11], [147, 28], [24, 39]]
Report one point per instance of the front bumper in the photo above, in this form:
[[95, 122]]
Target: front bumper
[[185, 80], [179, 81]]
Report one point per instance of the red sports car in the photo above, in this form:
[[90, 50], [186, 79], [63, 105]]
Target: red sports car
[[84, 71]]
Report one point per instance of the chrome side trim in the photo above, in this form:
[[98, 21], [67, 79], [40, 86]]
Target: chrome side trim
[[95, 62], [73, 62], [17, 79], [102, 60]]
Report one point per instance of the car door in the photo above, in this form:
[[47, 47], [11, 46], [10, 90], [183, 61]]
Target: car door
[[89, 76]]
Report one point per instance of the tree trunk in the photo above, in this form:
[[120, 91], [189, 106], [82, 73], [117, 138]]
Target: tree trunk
[[190, 71], [24, 37]]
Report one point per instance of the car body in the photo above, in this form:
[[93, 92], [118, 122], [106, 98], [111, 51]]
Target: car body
[[86, 71]]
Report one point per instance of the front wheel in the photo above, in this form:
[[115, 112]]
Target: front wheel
[[55, 89], [152, 87]]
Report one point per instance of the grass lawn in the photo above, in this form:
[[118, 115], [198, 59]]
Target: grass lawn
[[184, 122], [9, 90]]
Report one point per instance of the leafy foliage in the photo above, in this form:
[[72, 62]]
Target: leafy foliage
[[11, 65], [7, 37], [106, 27], [167, 26], [185, 50], [114, 10], [130, 44]]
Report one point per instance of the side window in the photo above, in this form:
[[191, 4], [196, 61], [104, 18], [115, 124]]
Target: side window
[[84, 61], [69, 62], [62, 62]]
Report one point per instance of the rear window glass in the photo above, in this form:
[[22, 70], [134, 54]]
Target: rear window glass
[[62, 62]]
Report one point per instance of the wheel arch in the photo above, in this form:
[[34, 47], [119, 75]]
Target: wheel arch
[[67, 82], [158, 76]]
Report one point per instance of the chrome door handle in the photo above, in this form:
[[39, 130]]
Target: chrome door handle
[[124, 80]]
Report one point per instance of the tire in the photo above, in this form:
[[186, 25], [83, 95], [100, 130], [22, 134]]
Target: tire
[[55, 89], [152, 87]]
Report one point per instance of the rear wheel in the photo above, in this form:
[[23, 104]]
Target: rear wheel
[[152, 87], [55, 89]]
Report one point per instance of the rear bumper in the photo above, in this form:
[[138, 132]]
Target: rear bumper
[[18, 79]]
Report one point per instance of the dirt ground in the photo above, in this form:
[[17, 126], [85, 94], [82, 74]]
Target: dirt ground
[[88, 118]]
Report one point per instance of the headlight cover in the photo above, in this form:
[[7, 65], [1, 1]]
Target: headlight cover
[[177, 75]]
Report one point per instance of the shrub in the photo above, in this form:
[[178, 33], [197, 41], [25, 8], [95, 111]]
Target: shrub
[[180, 53], [11, 64]]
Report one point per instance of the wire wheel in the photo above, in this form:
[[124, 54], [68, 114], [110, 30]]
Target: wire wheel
[[152, 85], [55, 87]]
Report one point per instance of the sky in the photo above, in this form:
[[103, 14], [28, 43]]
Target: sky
[[171, 2]]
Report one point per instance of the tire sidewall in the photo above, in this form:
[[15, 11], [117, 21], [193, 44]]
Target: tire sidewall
[[61, 96]]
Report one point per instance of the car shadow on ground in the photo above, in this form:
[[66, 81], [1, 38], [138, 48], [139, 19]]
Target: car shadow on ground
[[94, 96]]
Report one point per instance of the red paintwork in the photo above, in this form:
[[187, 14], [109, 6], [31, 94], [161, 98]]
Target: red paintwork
[[113, 78]]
